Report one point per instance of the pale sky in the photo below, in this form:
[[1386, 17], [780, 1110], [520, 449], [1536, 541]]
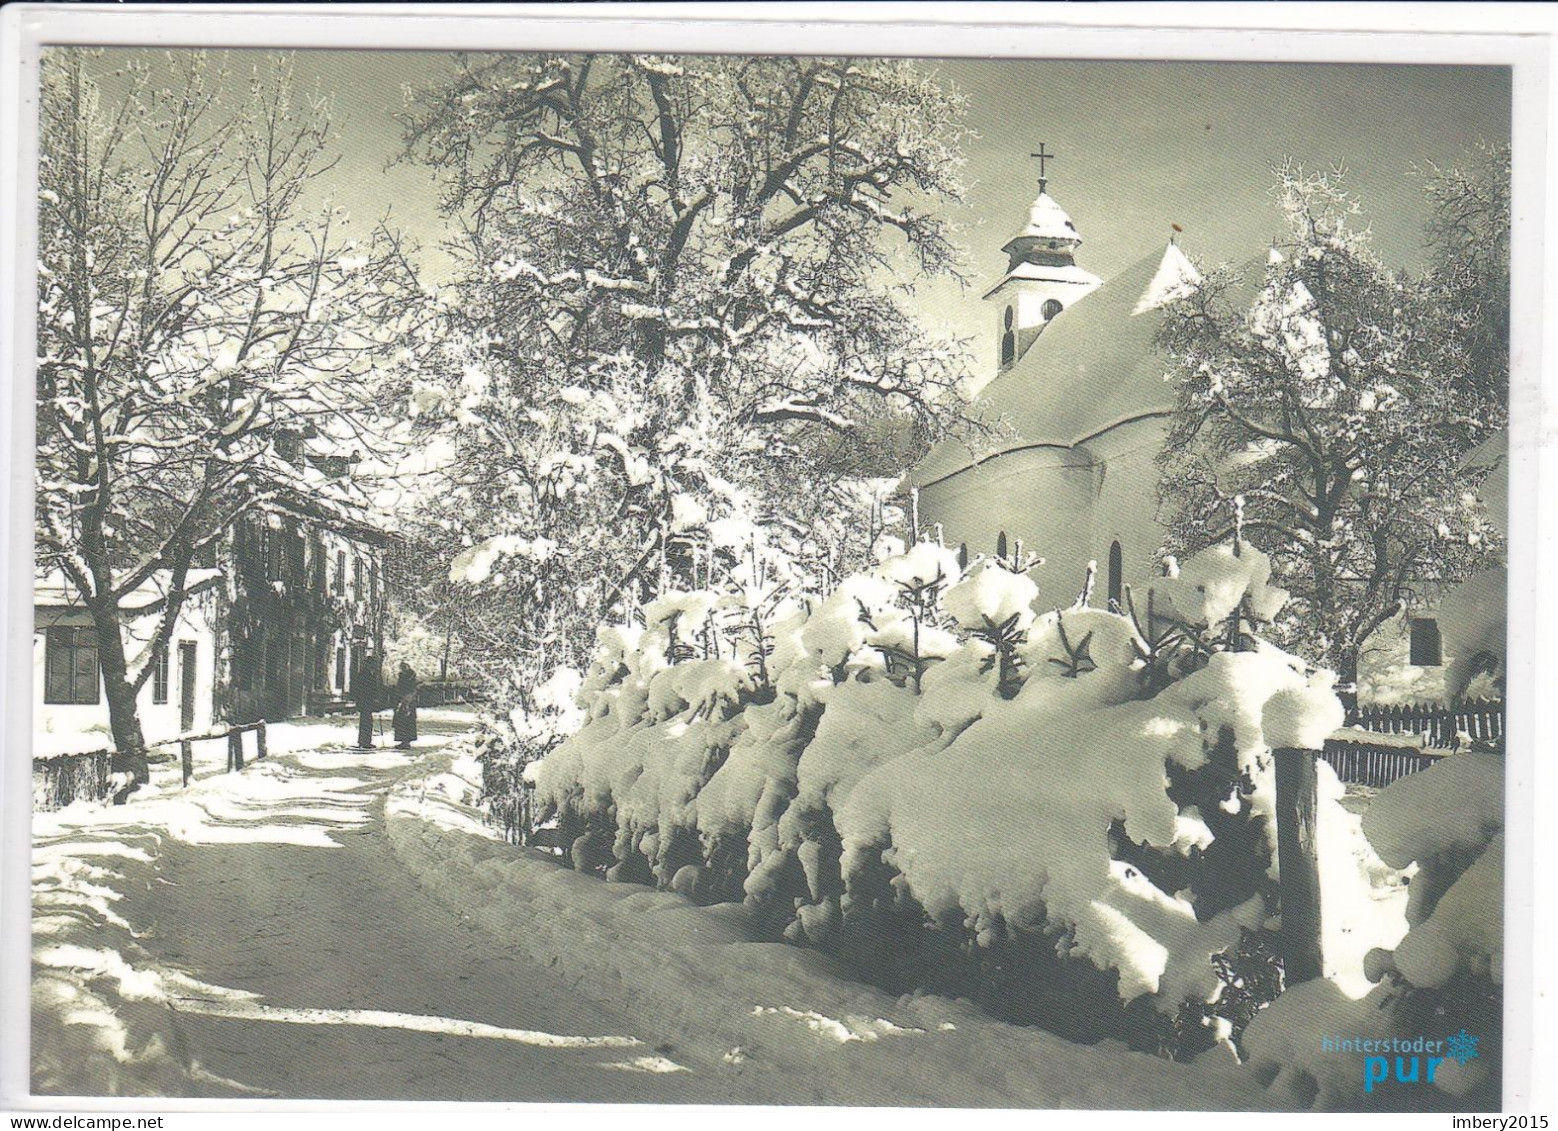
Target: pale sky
[[1140, 145]]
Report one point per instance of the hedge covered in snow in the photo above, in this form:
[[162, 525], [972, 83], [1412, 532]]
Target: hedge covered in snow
[[1067, 815]]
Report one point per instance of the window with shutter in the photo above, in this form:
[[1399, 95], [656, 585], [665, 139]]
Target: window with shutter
[[70, 665]]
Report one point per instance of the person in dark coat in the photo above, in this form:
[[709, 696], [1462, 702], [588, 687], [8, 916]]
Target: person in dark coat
[[406, 707], [367, 693]]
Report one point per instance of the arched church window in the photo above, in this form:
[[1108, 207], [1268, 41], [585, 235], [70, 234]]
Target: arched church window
[[1008, 340], [1051, 308], [1116, 576]]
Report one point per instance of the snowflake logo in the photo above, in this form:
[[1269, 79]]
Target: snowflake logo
[[1462, 1046]]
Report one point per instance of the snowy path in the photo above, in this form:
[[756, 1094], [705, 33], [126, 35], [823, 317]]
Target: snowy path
[[310, 929], [338, 924], [250, 901]]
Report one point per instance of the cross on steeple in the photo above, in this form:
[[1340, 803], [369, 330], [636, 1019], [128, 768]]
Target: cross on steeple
[[1042, 157]]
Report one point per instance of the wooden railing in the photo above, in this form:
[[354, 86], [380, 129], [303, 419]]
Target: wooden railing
[[444, 692], [432, 693], [85, 776], [234, 736]]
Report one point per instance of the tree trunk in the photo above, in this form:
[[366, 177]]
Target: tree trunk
[[1347, 683], [443, 661], [124, 720]]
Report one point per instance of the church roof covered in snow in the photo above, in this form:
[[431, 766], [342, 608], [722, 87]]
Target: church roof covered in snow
[[1094, 367], [1176, 277], [1061, 273]]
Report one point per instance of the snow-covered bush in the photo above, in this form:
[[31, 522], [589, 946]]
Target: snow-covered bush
[[509, 745], [1444, 977], [1061, 813]]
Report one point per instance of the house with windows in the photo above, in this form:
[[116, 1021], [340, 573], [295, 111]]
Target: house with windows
[[305, 599], [1452, 646], [284, 611], [70, 713], [305, 608]]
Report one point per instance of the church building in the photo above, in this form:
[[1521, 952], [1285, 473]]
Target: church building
[[1081, 410]]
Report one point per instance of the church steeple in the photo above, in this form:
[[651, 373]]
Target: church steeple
[[1050, 238], [1042, 277]]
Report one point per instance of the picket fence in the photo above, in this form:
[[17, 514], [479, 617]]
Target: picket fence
[[1363, 763], [1440, 729], [1479, 719]]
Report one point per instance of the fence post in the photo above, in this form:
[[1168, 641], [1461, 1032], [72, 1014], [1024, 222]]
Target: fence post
[[234, 749], [259, 740], [187, 759], [1298, 863]]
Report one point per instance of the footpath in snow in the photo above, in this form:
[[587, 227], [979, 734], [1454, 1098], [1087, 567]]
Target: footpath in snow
[[340, 924], [253, 936]]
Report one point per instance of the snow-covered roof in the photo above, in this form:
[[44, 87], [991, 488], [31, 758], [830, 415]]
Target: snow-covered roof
[[1048, 221], [52, 589], [1493, 455], [1176, 277], [1490, 453], [1060, 273], [1094, 366]]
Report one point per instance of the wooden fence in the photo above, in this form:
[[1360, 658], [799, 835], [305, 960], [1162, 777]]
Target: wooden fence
[[1480, 719], [234, 736], [1375, 765], [59, 779]]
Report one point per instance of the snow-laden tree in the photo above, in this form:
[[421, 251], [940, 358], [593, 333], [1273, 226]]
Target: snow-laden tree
[[204, 314], [1468, 232], [1329, 413], [678, 336]]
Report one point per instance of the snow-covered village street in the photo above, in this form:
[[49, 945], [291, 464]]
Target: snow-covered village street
[[319, 959], [294, 930]]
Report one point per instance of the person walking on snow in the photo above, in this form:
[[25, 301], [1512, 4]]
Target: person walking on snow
[[405, 721]]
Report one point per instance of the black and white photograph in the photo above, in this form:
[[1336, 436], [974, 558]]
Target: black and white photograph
[[769, 577]]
